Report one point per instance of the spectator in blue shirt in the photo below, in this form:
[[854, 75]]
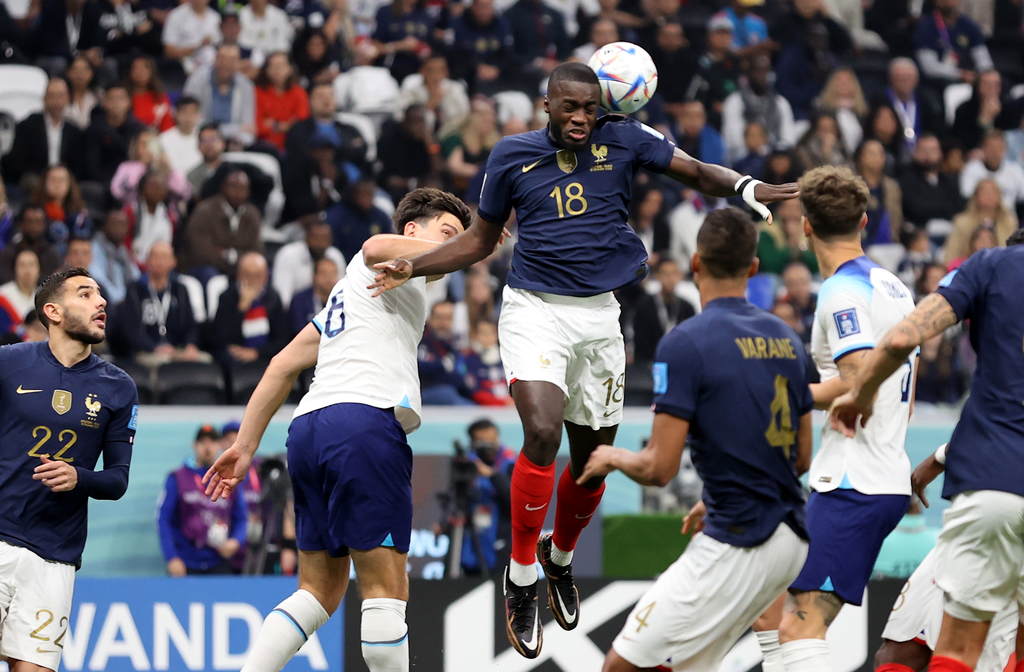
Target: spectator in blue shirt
[[356, 218], [695, 137], [198, 536], [749, 31], [442, 366], [309, 302], [482, 48], [950, 46], [403, 37]]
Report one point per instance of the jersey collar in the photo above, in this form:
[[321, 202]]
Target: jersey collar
[[86, 363]]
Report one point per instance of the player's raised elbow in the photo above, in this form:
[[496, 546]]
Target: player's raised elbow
[[374, 251], [661, 475]]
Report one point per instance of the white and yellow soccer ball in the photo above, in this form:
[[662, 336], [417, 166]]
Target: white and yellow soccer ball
[[627, 75]]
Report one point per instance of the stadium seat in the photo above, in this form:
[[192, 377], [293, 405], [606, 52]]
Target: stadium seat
[[953, 96], [639, 388], [275, 202], [21, 90], [244, 378], [143, 377], [215, 286], [512, 105], [195, 383], [195, 297], [7, 126], [366, 128]]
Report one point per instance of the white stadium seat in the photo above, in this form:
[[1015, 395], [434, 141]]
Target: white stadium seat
[[21, 90]]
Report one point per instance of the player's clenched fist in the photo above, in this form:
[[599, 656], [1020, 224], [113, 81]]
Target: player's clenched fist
[[57, 476]]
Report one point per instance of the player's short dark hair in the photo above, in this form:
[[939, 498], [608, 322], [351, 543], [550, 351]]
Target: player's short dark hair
[[1016, 238], [727, 243], [572, 72], [427, 203], [186, 100], [51, 287], [834, 200]]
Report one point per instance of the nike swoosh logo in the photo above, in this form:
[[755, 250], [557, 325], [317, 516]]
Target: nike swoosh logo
[[584, 517], [535, 508], [530, 167], [532, 643], [608, 414], [21, 390], [570, 616]]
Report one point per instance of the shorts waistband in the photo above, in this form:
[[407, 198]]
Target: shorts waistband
[[597, 300]]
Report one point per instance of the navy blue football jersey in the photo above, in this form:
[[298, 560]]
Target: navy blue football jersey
[[572, 208], [986, 451], [70, 414], [737, 374]]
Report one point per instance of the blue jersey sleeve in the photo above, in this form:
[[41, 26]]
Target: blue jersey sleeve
[[677, 372], [496, 191], [652, 149], [112, 481], [966, 285]]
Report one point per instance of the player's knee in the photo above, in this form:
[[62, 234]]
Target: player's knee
[[384, 633], [329, 598], [541, 442]]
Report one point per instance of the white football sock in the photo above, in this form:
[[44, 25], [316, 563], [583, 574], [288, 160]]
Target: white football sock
[[560, 557], [771, 651], [284, 631], [806, 655], [522, 575], [385, 635]]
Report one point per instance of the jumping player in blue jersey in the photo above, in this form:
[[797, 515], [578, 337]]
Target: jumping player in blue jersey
[[559, 331], [980, 551], [733, 380], [61, 408]]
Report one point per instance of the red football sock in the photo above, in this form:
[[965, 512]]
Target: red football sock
[[531, 494], [893, 667], [1014, 664], [944, 664], [576, 505]]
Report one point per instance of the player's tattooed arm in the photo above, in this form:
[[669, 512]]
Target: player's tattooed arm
[[931, 317]]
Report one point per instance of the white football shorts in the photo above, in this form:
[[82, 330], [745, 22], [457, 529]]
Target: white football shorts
[[917, 615], [980, 563], [569, 341], [704, 602], [35, 605]]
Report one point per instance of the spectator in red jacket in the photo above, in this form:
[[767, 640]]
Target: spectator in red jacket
[[280, 101], [150, 103]]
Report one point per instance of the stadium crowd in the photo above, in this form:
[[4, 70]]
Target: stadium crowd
[[214, 165]]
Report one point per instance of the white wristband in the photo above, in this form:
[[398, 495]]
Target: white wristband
[[940, 454], [745, 189]]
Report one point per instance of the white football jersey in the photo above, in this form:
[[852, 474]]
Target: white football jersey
[[368, 347], [856, 307]]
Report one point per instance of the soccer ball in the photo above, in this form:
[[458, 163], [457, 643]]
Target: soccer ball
[[627, 76]]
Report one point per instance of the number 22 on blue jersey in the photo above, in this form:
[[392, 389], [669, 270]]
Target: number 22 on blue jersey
[[335, 322]]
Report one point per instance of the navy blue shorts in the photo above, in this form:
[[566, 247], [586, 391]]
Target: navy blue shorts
[[847, 529], [351, 471]]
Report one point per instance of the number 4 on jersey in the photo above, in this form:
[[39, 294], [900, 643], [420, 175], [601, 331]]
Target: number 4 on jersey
[[780, 433]]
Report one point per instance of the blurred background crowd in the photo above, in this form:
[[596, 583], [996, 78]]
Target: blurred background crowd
[[215, 164]]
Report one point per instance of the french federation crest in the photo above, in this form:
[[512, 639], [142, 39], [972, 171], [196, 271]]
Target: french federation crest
[[92, 406], [61, 401], [600, 153]]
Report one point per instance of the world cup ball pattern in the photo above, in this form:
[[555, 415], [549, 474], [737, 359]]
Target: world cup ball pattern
[[627, 76]]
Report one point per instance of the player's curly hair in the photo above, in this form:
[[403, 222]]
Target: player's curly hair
[[51, 287], [727, 243], [834, 200], [427, 203]]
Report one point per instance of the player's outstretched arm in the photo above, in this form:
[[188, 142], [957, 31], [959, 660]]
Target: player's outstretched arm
[[387, 246], [931, 317], [460, 252], [656, 464], [272, 390], [849, 366], [716, 180]]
